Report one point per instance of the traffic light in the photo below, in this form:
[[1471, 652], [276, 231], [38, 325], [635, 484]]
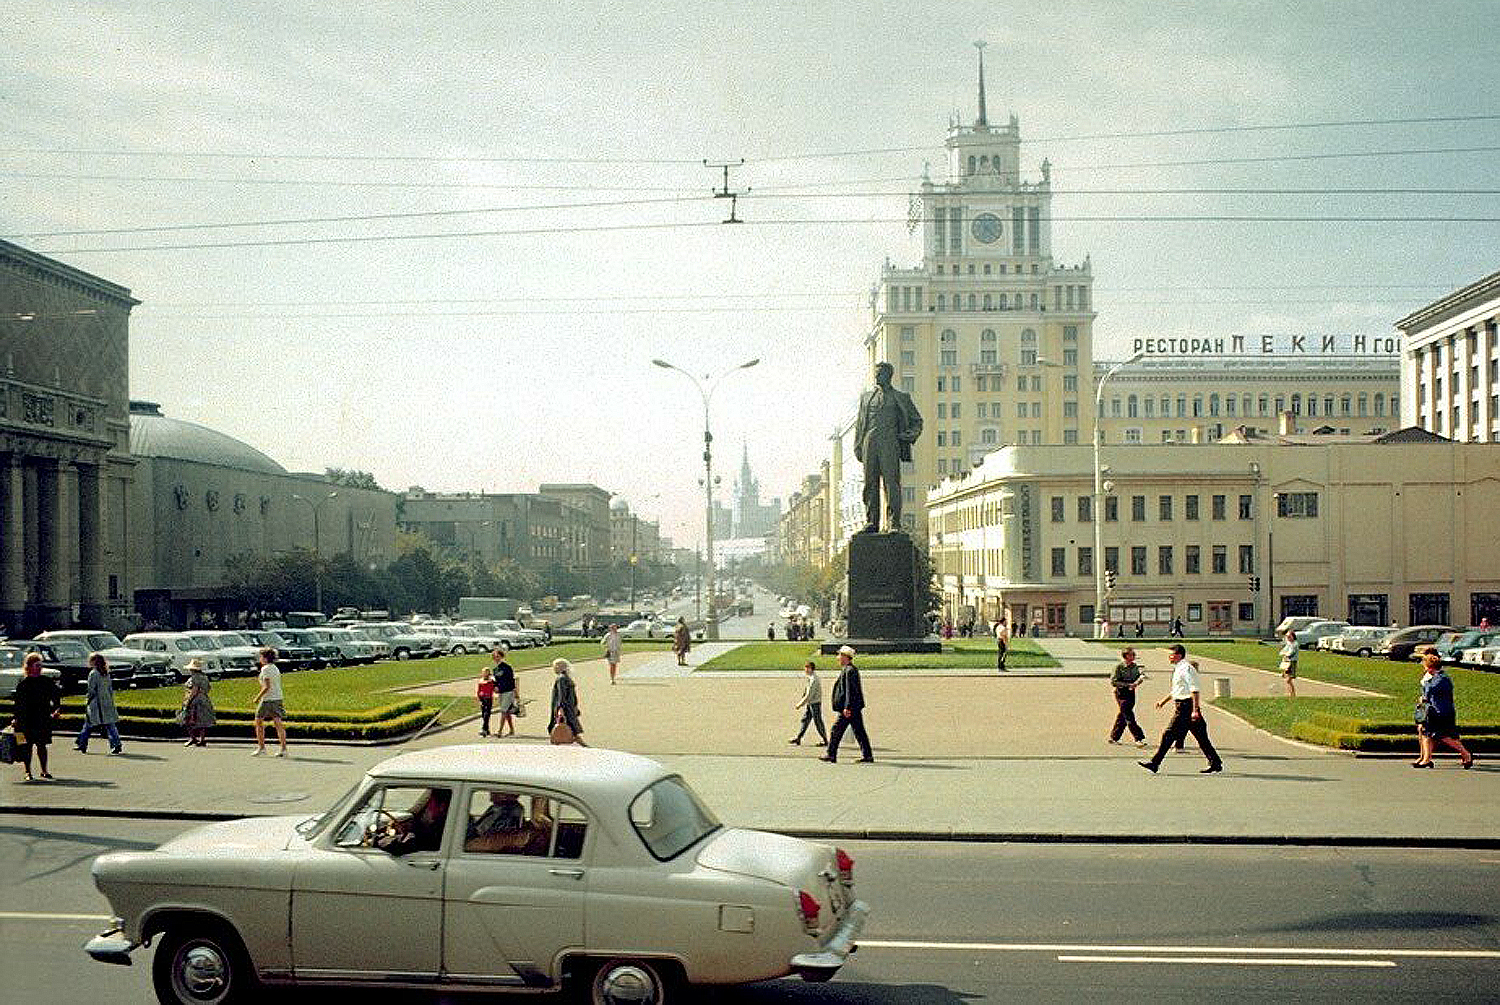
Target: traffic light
[[1254, 584], [1109, 579]]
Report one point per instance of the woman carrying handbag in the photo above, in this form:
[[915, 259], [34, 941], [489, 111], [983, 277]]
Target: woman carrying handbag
[[565, 725]]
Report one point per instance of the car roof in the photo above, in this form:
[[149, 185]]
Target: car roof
[[588, 772]]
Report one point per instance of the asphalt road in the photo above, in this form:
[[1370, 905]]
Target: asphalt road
[[954, 924]]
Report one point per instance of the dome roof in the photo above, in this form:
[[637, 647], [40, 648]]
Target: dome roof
[[155, 435]]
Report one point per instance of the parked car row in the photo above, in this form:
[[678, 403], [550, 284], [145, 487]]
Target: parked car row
[[160, 658], [1462, 647]]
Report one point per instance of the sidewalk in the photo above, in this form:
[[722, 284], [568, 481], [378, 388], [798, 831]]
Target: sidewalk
[[987, 758]]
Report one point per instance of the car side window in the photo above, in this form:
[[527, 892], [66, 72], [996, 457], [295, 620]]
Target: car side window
[[398, 819], [503, 822]]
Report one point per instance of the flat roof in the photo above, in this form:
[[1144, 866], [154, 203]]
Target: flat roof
[[584, 770]]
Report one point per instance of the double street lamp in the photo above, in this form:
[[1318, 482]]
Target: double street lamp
[[708, 475], [317, 542], [1099, 598]]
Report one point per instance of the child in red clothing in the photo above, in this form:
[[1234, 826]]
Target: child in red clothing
[[486, 694]]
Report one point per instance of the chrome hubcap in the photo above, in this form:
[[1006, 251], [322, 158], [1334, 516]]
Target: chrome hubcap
[[628, 984], [202, 970]]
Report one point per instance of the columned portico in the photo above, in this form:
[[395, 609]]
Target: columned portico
[[13, 594], [91, 574], [57, 551]]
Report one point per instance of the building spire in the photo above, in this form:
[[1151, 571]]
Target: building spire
[[983, 117]]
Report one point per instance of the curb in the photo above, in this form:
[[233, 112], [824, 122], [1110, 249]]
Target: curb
[[956, 837]]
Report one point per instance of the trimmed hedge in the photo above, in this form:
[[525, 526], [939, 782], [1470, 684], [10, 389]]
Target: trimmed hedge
[[158, 720], [1370, 742], [1349, 724]]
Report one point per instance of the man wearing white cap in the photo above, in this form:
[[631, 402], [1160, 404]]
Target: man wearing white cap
[[848, 700]]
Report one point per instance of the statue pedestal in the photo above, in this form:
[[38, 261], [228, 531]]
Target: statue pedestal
[[886, 612]]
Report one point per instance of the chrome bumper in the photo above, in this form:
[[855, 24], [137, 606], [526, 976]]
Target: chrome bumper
[[111, 947], [823, 964]]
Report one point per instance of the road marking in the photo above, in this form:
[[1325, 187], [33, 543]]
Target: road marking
[[35, 916], [1045, 947], [1263, 961]]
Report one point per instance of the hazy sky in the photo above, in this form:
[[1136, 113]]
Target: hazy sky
[[500, 360]]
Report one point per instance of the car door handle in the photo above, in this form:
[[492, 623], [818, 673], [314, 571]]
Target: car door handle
[[424, 865], [570, 873]]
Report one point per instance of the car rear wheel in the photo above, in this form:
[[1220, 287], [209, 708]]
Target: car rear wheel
[[1364, 653], [459, 651], [207, 967], [631, 982], [402, 654]]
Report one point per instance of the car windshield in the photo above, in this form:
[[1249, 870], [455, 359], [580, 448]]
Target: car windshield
[[670, 819], [270, 639], [204, 641], [233, 639], [310, 827], [103, 640]]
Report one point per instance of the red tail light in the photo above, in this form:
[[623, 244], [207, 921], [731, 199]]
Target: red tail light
[[845, 864], [808, 905]]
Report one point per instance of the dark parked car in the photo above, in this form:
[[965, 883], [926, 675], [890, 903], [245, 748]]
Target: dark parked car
[[147, 669], [1403, 644], [289, 655], [1451, 645], [71, 660], [325, 653]]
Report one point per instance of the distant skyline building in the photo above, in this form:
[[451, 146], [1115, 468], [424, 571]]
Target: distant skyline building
[[748, 516]]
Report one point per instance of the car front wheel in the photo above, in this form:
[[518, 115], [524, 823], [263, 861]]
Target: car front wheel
[[637, 982], [402, 654], [202, 968]]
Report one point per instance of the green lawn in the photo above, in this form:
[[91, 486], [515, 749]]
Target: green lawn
[[359, 688], [1356, 722], [958, 653]]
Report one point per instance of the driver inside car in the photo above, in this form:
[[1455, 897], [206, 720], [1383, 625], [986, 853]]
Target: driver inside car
[[422, 829]]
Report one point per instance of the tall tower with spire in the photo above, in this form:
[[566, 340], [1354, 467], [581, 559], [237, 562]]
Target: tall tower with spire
[[988, 333], [749, 517]]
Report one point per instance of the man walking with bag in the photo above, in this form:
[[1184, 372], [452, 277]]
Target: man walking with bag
[[848, 709], [1189, 716]]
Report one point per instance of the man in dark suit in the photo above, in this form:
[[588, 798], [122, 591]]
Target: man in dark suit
[[848, 700], [884, 430]]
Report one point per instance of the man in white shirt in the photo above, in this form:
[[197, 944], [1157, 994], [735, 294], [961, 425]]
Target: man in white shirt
[[1189, 716], [268, 704], [1002, 643]]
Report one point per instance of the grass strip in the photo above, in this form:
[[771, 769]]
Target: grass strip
[[957, 654]]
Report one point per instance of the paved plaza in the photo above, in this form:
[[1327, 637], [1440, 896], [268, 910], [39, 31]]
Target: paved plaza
[[957, 755]]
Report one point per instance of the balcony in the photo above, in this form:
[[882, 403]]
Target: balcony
[[52, 411]]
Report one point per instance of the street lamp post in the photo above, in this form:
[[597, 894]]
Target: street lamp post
[[317, 550], [708, 476], [1099, 612]]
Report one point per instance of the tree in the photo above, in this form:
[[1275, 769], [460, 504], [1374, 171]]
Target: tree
[[352, 478]]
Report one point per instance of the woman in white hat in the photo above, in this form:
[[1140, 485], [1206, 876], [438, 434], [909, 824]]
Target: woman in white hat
[[197, 708]]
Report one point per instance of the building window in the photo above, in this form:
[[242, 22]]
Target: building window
[[1218, 507], [942, 410], [1028, 337], [1070, 436], [1220, 560], [1085, 614], [942, 384], [1138, 560], [1133, 434], [1085, 561], [1297, 504], [948, 335], [1070, 357], [953, 384], [1164, 560], [942, 465], [1247, 559], [909, 384], [1057, 509], [987, 357], [980, 383], [908, 359], [1246, 513], [1191, 561], [1070, 333], [1059, 562], [1137, 508], [1111, 509], [1246, 611], [1036, 384], [956, 437], [986, 436], [949, 357], [908, 333], [1150, 404], [988, 335], [1132, 407], [1164, 507], [1070, 383], [1085, 509], [1070, 410], [1021, 410], [1190, 508], [1112, 560], [1028, 357], [942, 439]]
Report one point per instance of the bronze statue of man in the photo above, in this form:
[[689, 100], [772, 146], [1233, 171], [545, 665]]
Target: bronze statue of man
[[884, 431]]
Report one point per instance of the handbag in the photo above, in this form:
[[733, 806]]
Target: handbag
[[562, 733], [181, 717], [1422, 712], [520, 710], [7, 747]]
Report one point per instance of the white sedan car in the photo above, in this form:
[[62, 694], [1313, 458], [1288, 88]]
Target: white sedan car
[[476, 868]]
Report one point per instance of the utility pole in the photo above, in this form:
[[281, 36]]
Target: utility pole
[[723, 192]]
